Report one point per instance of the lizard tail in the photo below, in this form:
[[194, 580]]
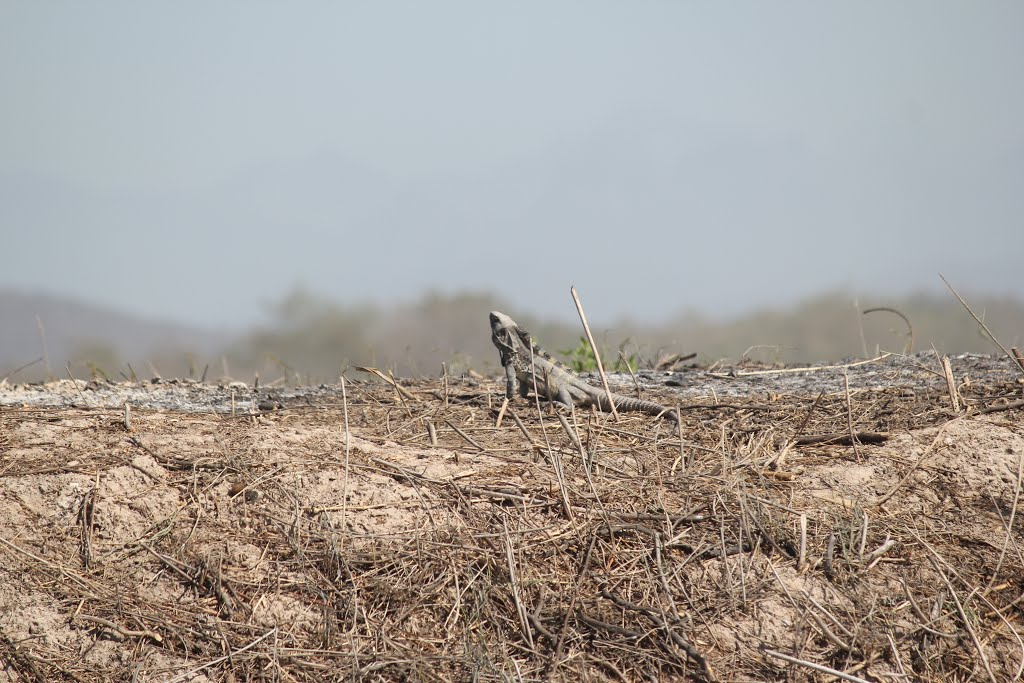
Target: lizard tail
[[627, 404]]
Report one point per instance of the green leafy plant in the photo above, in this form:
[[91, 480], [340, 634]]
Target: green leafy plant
[[581, 358], [95, 371]]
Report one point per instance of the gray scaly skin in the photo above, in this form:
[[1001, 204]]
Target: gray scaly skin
[[523, 361]]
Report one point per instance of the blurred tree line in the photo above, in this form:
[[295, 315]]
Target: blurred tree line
[[311, 339]]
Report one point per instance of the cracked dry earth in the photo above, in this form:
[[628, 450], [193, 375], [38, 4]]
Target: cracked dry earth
[[218, 533]]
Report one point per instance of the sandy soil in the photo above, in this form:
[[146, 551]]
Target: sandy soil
[[220, 533]]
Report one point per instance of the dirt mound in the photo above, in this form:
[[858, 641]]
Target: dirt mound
[[424, 542]]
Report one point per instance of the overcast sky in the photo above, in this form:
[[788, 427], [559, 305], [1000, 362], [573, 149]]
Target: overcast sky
[[195, 161]]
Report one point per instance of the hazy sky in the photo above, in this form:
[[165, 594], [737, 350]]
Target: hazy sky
[[197, 160]]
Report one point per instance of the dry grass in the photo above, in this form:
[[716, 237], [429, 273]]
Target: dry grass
[[572, 547]]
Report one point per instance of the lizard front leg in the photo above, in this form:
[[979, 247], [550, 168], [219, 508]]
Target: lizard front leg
[[511, 381]]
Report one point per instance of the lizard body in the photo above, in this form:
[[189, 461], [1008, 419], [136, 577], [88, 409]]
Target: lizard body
[[531, 367]]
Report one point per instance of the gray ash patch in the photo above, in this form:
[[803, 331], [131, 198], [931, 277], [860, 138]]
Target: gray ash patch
[[915, 372], [177, 395]]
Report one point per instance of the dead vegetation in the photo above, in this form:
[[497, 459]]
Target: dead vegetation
[[869, 535]]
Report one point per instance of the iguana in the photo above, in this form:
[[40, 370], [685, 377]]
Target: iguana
[[523, 360]]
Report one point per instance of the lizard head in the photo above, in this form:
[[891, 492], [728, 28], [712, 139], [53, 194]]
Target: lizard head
[[504, 333], [500, 321]]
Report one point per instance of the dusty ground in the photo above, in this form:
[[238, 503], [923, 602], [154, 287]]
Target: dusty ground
[[225, 534]]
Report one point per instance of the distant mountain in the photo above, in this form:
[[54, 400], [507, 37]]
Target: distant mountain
[[63, 331]]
